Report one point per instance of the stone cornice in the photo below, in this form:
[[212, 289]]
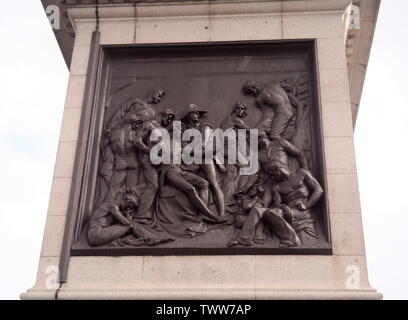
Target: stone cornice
[[357, 41], [169, 8], [65, 35]]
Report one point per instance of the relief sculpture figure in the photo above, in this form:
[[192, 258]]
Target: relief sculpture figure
[[119, 155], [231, 180], [191, 119], [299, 191], [135, 105], [114, 223], [110, 176], [285, 203], [294, 194], [254, 217], [275, 105], [148, 173], [275, 152], [182, 208], [194, 186]]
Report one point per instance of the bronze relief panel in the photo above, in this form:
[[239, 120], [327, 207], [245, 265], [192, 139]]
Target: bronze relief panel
[[266, 93]]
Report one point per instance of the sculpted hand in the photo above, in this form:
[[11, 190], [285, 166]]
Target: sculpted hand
[[125, 221], [129, 218], [301, 207], [133, 190], [222, 169]]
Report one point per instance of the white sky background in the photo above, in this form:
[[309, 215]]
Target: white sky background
[[33, 81], [381, 138]]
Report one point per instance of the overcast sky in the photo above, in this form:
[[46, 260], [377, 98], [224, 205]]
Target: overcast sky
[[33, 82], [381, 138]]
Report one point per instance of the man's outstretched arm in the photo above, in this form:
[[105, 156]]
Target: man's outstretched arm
[[314, 185], [295, 152]]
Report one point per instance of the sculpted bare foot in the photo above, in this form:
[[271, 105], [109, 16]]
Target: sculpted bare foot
[[152, 242], [245, 243], [232, 243], [283, 245], [132, 241]]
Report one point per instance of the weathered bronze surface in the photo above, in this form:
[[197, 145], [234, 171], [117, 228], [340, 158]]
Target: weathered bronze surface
[[130, 206]]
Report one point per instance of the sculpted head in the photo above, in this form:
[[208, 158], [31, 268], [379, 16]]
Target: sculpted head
[[255, 190], [251, 88], [155, 96], [193, 113], [128, 201], [240, 109], [194, 116], [263, 140], [286, 81], [167, 117], [133, 119], [288, 85]]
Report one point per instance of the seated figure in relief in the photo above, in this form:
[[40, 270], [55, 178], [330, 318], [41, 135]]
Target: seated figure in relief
[[114, 223], [293, 195]]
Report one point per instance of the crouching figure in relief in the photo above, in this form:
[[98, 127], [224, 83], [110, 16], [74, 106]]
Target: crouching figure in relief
[[114, 223], [294, 193]]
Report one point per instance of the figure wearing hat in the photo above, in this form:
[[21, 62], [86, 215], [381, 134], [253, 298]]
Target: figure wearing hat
[[184, 177], [191, 119]]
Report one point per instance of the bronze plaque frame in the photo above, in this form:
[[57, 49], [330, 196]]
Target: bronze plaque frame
[[101, 91]]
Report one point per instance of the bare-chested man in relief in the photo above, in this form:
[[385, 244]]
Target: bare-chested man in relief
[[275, 104], [294, 194], [121, 168], [135, 106], [275, 152]]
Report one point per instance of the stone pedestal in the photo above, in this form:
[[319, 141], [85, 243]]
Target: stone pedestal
[[342, 275]]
